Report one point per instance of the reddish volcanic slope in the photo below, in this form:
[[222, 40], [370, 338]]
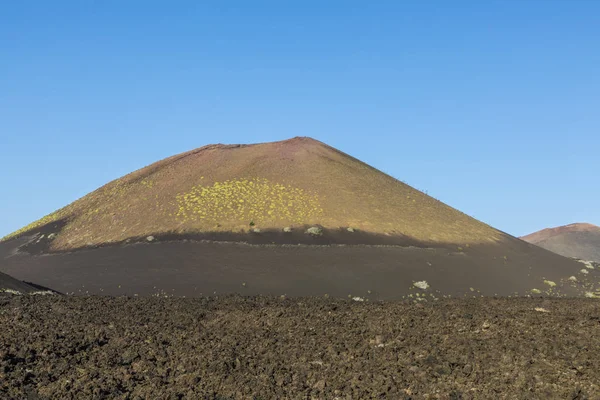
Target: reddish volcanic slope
[[234, 190], [580, 240]]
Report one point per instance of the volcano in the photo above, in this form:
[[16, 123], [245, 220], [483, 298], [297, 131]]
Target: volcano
[[234, 190], [294, 217], [579, 240]]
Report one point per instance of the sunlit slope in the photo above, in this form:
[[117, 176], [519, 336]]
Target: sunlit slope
[[238, 188], [580, 240]]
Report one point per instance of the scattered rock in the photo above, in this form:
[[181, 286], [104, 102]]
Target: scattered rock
[[10, 291], [467, 369], [150, 238], [320, 385], [421, 285], [314, 231], [52, 236], [588, 264], [350, 229], [42, 293], [287, 229]]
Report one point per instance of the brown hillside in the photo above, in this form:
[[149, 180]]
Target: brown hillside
[[547, 233], [578, 240], [236, 189]]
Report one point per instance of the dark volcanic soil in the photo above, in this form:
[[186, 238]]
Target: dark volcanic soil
[[65, 347], [196, 269]]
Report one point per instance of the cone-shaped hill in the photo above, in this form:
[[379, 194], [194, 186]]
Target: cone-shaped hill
[[295, 217], [579, 240], [245, 189]]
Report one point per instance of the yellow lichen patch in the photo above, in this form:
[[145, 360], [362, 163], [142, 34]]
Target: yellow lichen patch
[[147, 183], [258, 200]]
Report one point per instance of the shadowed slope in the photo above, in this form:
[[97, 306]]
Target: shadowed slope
[[240, 188], [10, 285], [575, 240]]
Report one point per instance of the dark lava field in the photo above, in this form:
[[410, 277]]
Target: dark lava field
[[69, 347]]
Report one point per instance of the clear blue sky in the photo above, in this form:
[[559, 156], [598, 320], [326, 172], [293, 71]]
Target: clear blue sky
[[491, 106]]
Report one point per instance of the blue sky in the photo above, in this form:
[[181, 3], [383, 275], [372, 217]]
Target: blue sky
[[489, 106]]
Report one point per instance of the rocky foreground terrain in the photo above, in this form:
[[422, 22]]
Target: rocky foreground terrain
[[68, 347]]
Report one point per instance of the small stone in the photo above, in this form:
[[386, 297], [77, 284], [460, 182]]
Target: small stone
[[314, 231], [350, 229], [150, 238], [287, 229], [320, 385], [467, 369], [421, 285]]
